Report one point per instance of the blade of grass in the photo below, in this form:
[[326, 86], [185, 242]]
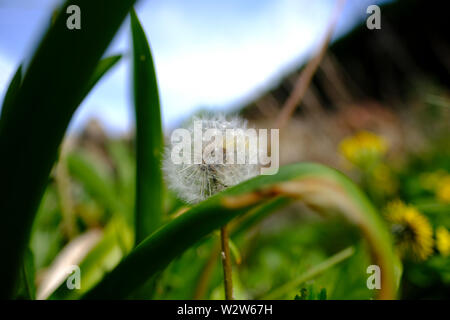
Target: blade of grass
[[310, 274], [256, 215], [26, 289], [53, 86], [125, 167], [102, 68], [97, 186], [149, 138], [318, 186]]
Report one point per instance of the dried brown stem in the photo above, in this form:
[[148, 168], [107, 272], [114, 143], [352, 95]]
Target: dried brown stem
[[305, 77]]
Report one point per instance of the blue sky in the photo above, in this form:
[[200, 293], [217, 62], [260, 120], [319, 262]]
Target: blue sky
[[208, 54]]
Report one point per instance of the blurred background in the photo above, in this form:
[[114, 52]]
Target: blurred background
[[216, 55], [377, 108]]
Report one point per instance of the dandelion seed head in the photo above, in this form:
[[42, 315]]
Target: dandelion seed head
[[195, 182]]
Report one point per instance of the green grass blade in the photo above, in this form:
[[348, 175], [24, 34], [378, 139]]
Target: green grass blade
[[257, 215], [99, 187], [310, 274], [31, 131], [125, 168], [102, 68], [26, 285], [316, 185], [149, 138]]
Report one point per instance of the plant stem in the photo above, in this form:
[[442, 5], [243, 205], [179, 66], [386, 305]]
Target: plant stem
[[307, 74], [311, 273], [226, 263]]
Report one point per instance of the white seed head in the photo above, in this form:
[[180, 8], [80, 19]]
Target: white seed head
[[194, 182]]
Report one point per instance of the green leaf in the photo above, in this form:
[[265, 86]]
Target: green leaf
[[125, 169], [303, 294], [149, 137], [31, 131], [317, 186], [95, 184], [257, 215], [102, 68], [322, 294], [310, 294], [310, 274], [27, 288]]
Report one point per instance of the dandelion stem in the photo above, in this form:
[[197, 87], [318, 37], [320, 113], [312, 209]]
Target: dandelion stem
[[226, 263]]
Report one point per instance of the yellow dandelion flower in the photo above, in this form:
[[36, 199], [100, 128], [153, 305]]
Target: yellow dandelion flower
[[363, 148], [443, 241], [443, 189], [412, 231]]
